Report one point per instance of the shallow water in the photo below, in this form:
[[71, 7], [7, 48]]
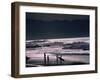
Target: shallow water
[[37, 57], [55, 54]]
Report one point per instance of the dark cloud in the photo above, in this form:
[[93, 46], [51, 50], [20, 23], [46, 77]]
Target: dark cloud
[[45, 25], [47, 17]]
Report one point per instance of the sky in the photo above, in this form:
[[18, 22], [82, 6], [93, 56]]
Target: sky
[[52, 26]]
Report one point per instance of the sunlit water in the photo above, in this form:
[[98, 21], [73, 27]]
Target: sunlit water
[[70, 56]]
